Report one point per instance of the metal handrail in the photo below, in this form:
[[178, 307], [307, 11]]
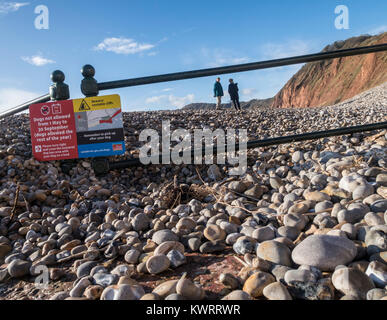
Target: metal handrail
[[106, 165], [214, 71], [242, 67]]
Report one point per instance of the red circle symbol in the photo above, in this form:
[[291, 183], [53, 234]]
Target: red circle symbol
[[45, 110]]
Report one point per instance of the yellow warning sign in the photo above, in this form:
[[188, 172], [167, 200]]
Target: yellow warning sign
[[97, 103], [84, 106]]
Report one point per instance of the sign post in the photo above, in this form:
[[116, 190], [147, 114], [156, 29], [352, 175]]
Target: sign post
[[75, 129]]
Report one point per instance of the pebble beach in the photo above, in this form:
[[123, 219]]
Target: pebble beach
[[308, 220]]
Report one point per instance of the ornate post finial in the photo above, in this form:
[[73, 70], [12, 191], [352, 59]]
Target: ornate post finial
[[59, 90], [89, 85]]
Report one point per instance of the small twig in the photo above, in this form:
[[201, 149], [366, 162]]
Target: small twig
[[200, 176], [241, 261], [27, 204], [15, 203]]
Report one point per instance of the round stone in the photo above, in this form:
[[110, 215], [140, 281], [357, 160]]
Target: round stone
[[93, 292], [85, 268], [19, 268], [376, 241], [291, 233], [238, 186], [275, 252], [132, 256], [256, 283], [352, 282], [373, 219], [381, 179], [176, 258], [376, 294], [243, 246], [123, 270], [350, 230], [175, 297], [322, 206], [299, 276], [105, 279], [140, 222], [123, 292], [150, 297], [279, 272], [379, 206], [157, 264], [186, 224], [263, 234], [237, 295], [295, 220], [214, 233], [297, 156], [212, 246], [377, 271], [324, 252], [167, 246], [363, 191], [164, 235], [194, 244], [276, 291], [166, 288], [255, 192], [229, 281]]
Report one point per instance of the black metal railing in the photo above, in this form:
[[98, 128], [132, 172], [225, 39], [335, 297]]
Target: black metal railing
[[208, 72], [90, 87]]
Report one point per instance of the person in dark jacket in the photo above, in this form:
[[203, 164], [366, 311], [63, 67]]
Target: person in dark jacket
[[218, 93], [234, 95]]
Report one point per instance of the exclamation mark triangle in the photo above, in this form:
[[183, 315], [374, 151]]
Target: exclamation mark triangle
[[84, 106]]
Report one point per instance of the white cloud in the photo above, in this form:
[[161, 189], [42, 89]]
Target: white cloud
[[37, 60], [213, 58], [155, 99], [378, 30], [11, 97], [248, 91], [221, 57], [171, 100], [291, 48], [123, 46], [7, 7]]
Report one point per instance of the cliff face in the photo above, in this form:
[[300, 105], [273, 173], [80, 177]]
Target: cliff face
[[332, 81]]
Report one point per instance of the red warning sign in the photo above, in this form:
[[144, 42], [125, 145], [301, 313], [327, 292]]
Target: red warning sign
[[53, 131]]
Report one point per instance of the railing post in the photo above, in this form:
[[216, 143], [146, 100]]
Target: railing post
[[89, 85], [59, 90]]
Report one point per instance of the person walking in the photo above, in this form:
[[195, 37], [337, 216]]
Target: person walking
[[234, 95], [218, 93]]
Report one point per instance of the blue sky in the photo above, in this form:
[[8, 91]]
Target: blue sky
[[125, 39]]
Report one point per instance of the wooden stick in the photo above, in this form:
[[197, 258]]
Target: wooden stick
[[241, 261], [15, 203]]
